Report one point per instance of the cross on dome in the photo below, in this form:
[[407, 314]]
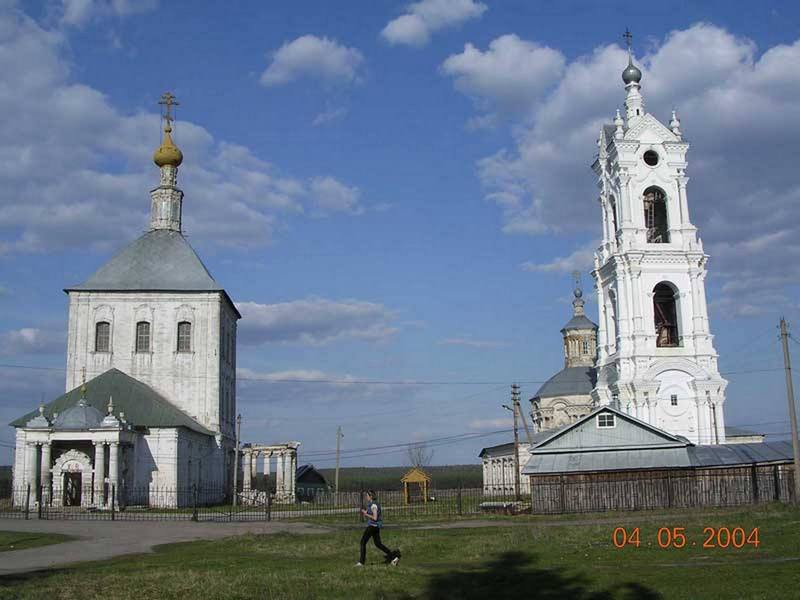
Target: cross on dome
[[168, 154]]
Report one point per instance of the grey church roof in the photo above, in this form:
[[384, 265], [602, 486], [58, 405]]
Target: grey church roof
[[571, 381], [80, 416], [142, 405], [579, 322], [159, 260]]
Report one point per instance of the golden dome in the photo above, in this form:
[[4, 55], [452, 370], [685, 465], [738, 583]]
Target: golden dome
[[168, 153]]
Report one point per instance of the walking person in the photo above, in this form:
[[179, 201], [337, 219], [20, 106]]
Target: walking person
[[374, 523]]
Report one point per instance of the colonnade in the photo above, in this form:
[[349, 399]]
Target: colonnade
[[285, 456]]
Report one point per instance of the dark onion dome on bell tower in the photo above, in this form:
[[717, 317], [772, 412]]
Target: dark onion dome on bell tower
[[631, 74]]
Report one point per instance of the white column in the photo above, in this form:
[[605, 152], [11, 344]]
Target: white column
[[99, 472], [267, 458], [279, 474], [485, 480], [113, 468], [247, 471], [45, 472], [702, 420], [254, 465], [287, 479], [293, 475], [30, 468]]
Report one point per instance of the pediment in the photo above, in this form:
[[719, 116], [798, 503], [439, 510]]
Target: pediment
[[649, 129]]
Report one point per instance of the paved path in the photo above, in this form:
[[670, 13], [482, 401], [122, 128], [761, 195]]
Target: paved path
[[100, 540]]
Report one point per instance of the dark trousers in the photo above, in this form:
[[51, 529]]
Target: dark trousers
[[375, 534]]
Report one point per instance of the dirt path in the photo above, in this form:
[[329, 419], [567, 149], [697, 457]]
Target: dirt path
[[100, 540]]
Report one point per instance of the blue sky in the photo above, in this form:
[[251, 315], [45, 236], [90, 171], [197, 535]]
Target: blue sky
[[390, 192]]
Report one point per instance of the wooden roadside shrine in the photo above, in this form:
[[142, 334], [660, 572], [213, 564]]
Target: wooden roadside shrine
[[416, 484]]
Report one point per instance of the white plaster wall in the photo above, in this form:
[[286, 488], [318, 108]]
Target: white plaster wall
[[198, 382], [498, 473], [18, 474], [156, 459]]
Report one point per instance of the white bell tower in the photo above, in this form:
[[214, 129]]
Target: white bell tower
[[655, 359]]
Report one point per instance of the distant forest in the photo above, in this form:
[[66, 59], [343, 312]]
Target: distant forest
[[354, 479]]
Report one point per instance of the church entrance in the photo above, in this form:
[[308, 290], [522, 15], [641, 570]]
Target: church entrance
[[72, 489]]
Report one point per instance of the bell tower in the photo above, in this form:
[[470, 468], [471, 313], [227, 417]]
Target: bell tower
[[655, 357]]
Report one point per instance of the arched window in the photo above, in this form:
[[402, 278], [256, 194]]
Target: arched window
[[655, 216], [102, 336], [143, 336], [613, 204], [184, 336], [666, 316]]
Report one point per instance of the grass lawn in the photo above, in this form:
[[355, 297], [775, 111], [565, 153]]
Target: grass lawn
[[527, 559], [19, 540]]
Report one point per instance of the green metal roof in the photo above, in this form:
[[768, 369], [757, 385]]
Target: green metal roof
[[142, 405]]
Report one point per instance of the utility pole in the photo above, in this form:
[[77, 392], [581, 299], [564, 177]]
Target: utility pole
[[236, 459], [339, 437], [515, 409], [787, 364]]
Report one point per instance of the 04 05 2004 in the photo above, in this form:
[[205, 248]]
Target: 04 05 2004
[[677, 538]]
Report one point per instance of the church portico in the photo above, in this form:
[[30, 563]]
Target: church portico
[[72, 459]]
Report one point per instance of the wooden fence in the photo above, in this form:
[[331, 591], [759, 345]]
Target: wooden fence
[[679, 488]]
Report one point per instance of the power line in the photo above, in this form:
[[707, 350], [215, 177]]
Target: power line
[[345, 382]]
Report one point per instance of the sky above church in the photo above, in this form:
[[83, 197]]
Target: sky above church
[[394, 194]]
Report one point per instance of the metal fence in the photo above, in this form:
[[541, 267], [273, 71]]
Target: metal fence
[[214, 504], [556, 494]]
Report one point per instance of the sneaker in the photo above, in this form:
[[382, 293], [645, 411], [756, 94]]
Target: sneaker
[[358, 564], [395, 560]]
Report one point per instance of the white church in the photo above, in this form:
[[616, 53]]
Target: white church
[[651, 356], [150, 401]]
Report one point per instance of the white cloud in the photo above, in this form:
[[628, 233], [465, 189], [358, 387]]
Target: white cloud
[[48, 119], [80, 12], [414, 28], [333, 196], [315, 321], [315, 58], [294, 376], [471, 343], [511, 75], [740, 111], [30, 340], [580, 260], [329, 115], [484, 424]]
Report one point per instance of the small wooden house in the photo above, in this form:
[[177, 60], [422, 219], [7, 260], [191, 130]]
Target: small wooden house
[[416, 484], [310, 483]]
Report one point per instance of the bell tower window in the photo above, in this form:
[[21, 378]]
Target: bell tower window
[[655, 216], [143, 336], [102, 336], [184, 336], [666, 316]]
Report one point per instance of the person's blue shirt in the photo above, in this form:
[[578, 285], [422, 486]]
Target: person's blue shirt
[[370, 511]]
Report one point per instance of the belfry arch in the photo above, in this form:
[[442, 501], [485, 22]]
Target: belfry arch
[[654, 203], [665, 315]]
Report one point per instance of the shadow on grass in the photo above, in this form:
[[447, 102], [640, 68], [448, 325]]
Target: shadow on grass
[[514, 575]]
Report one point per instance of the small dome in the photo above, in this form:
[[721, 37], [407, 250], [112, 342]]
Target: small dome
[[81, 416], [631, 74], [168, 153]]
